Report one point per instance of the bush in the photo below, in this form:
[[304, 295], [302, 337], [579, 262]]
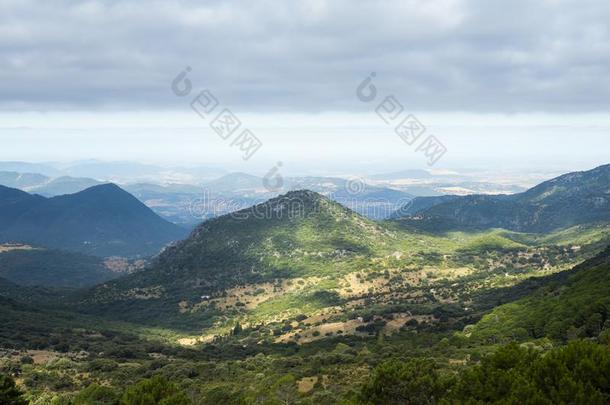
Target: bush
[[97, 395], [575, 374], [578, 373], [413, 382], [104, 365], [9, 393], [156, 390]]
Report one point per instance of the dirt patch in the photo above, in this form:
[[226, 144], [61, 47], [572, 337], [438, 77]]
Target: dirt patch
[[306, 384], [40, 357], [322, 331], [196, 340], [399, 320]]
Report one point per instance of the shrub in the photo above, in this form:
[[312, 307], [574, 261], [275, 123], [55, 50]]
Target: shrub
[[9, 393], [156, 390], [97, 395], [413, 382]]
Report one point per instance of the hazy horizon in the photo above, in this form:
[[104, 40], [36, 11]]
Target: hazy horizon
[[498, 93], [323, 143]]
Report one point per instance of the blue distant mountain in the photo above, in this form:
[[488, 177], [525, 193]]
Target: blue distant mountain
[[103, 220]]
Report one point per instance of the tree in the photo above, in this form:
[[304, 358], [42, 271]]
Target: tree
[[224, 394], [414, 382], [9, 393], [576, 374], [154, 391], [97, 395]]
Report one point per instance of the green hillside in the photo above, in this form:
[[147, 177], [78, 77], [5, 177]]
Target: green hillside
[[569, 200], [300, 258], [573, 308]]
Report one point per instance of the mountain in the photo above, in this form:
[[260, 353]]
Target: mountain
[[108, 170], [22, 181], [303, 256], [46, 186], [572, 199], [26, 167], [302, 220], [14, 203], [299, 234], [103, 220], [28, 266], [64, 185]]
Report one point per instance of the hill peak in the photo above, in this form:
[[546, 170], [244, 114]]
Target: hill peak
[[296, 204], [106, 187], [298, 196], [304, 194]]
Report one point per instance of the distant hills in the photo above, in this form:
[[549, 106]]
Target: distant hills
[[572, 199], [103, 220], [22, 181], [419, 204], [375, 202], [189, 204], [187, 196], [64, 185], [46, 186], [26, 167]]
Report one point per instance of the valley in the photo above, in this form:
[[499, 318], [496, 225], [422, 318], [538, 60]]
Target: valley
[[300, 297]]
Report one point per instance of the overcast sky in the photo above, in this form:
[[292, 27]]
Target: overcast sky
[[518, 81]]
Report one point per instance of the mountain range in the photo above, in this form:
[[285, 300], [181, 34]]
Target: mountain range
[[306, 238], [301, 299]]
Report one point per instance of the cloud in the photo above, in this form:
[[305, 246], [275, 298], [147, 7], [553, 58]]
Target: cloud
[[307, 56]]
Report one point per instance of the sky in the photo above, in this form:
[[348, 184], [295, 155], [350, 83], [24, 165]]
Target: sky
[[497, 83]]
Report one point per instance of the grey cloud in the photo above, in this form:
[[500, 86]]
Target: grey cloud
[[466, 55]]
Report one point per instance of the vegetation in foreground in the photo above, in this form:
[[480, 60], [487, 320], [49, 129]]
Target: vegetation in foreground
[[578, 373]]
